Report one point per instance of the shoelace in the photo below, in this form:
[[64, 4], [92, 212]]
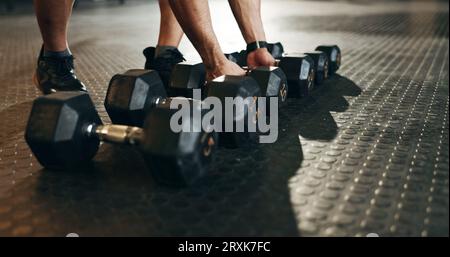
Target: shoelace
[[63, 66], [176, 57]]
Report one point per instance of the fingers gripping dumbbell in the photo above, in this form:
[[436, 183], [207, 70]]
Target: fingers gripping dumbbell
[[186, 77], [298, 69]]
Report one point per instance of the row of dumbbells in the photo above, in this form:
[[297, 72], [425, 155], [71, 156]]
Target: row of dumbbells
[[64, 129], [297, 74], [304, 71]]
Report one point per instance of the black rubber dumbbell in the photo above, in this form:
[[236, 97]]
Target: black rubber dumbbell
[[276, 50], [64, 130], [271, 80], [245, 88], [333, 53], [322, 66], [298, 68], [334, 57], [325, 66], [185, 77], [300, 73], [240, 58], [132, 94]]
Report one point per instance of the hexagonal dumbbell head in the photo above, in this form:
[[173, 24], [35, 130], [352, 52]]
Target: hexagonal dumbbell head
[[276, 50], [55, 129], [321, 63], [234, 88], [299, 70], [240, 58], [272, 83], [186, 77], [177, 158], [131, 94], [334, 57]]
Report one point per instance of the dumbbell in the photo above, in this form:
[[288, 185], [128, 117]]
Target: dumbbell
[[272, 82], [321, 64], [244, 87], [333, 53], [276, 50], [240, 58], [298, 69], [185, 77], [64, 130], [132, 94], [326, 58], [300, 73]]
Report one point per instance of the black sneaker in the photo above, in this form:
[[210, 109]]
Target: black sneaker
[[56, 74], [164, 64]]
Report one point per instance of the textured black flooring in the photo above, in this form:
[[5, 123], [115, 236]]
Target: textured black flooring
[[367, 153]]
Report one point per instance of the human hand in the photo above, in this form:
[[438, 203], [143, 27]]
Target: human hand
[[224, 68], [260, 57]]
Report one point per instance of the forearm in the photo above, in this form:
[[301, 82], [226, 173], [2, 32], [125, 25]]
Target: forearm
[[248, 17], [195, 19]]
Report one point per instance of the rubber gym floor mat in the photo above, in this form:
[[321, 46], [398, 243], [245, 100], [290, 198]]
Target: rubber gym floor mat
[[366, 153]]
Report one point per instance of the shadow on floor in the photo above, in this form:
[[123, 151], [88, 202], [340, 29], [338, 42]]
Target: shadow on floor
[[117, 196], [315, 121]]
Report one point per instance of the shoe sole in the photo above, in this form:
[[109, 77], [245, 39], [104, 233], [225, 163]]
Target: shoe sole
[[40, 88]]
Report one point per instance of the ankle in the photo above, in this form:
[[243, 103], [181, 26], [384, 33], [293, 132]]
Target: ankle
[[56, 54]]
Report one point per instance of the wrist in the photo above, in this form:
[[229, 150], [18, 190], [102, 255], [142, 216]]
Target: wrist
[[259, 51], [256, 45]]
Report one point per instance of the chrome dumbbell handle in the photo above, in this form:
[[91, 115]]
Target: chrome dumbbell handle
[[118, 134]]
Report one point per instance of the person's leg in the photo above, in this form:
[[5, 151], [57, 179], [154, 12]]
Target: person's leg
[[170, 32], [55, 69], [53, 18], [248, 17], [195, 19], [165, 55]]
